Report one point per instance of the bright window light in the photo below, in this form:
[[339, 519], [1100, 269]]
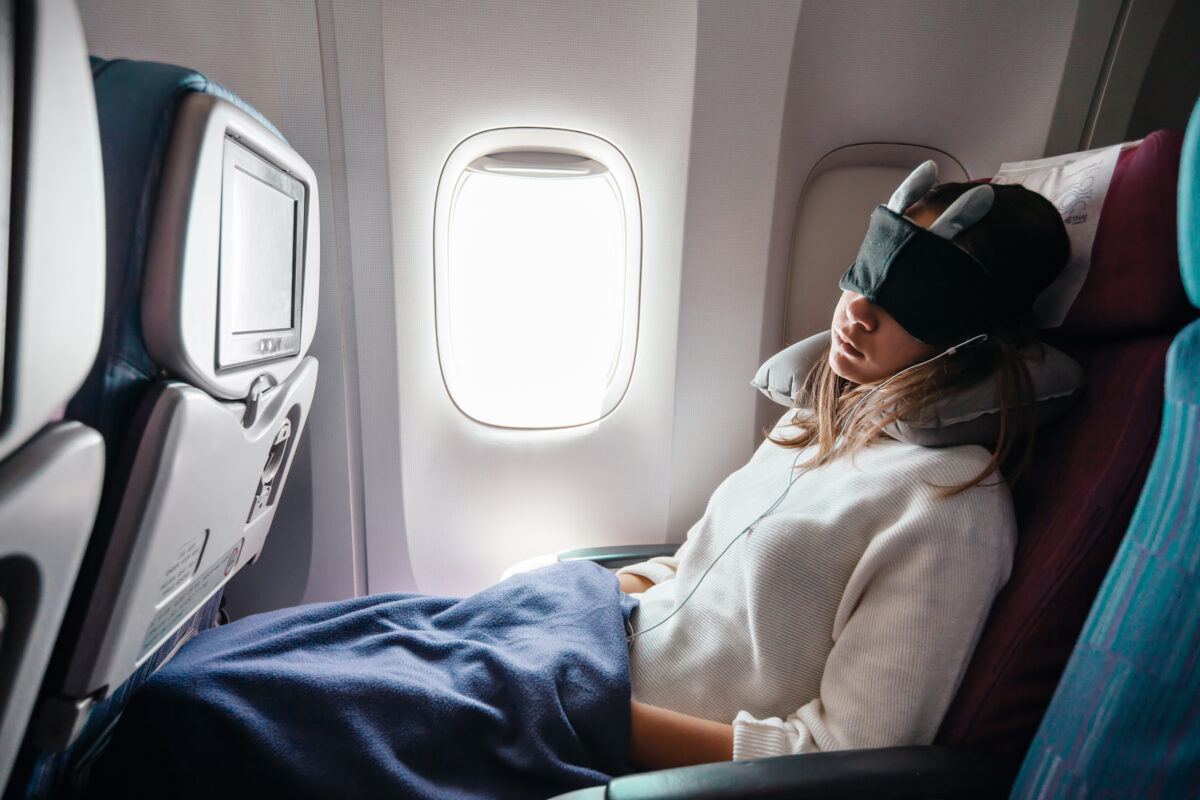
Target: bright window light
[[537, 265]]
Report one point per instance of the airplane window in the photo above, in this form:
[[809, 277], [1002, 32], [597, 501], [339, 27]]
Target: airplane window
[[537, 265]]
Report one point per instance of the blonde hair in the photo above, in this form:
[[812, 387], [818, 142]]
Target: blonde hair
[[832, 399]]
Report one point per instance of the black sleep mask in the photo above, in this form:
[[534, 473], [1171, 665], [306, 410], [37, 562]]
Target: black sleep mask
[[937, 291]]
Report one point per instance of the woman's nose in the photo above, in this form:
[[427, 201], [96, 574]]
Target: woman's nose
[[861, 311]]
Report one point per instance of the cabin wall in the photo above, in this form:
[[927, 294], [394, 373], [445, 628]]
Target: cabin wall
[[478, 498], [1172, 80], [722, 110]]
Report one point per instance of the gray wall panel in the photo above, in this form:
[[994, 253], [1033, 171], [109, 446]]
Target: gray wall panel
[[361, 81], [1172, 82], [743, 56]]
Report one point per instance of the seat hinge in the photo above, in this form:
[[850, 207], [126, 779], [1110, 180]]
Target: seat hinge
[[261, 384], [59, 722]]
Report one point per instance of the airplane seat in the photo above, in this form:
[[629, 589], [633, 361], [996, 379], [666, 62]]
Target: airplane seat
[[1078, 497], [1087, 470], [51, 307], [201, 390], [1123, 720]]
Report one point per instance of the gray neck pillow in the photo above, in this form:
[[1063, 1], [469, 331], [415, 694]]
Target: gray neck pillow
[[971, 416]]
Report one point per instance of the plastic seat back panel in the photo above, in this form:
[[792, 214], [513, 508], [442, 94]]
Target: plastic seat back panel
[[187, 521], [49, 490]]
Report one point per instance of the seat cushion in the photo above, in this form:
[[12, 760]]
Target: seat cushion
[[1124, 717], [1072, 512], [1189, 208]]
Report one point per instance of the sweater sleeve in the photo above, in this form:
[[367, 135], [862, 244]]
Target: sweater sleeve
[[656, 570], [904, 631], [660, 568]]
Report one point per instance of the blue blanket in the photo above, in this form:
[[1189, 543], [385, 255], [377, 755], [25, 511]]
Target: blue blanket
[[520, 691]]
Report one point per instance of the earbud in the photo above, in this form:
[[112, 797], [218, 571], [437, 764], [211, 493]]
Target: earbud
[[972, 342]]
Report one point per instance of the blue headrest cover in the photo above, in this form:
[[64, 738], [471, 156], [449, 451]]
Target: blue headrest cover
[[1189, 208], [136, 103]]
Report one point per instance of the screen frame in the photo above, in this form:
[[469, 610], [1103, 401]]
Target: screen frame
[[234, 348], [9, 139], [180, 286]]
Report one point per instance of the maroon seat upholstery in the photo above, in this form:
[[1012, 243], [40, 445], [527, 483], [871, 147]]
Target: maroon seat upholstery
[[1089, 468]]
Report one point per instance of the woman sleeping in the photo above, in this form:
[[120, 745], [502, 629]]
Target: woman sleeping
[[830, 597]]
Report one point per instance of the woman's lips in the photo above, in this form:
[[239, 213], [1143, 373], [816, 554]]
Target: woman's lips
[[846, 346]]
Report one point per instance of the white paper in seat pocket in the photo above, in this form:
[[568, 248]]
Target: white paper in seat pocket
[[1077, 184]]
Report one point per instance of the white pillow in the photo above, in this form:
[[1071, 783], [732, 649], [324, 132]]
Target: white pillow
[[971, 416]]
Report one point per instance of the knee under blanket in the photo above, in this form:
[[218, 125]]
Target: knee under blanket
[[520, 691]]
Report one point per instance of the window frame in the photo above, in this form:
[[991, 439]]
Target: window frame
[[543, 140]]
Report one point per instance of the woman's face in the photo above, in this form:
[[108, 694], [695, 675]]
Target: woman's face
[[866, 343]]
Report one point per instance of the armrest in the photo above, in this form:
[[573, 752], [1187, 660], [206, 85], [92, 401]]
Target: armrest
[[619, 555], [890, 772]]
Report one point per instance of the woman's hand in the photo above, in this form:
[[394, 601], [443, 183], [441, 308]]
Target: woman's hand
[[631, 583], [660, 739]]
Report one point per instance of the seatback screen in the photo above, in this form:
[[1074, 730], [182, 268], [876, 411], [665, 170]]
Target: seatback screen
[[263, 248], [262, 259]]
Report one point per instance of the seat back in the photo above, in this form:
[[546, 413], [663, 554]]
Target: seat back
[[1087, 469], [1124, 720], [202, 387], [51, 304]]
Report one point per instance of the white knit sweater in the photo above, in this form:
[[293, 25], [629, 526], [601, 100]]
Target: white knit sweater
[[846, 617]]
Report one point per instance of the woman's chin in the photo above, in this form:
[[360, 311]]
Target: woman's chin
[[844, 367]]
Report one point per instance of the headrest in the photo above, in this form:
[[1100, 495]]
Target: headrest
[[213, 236], [52, 258], [1189, 208], [1133, 286], [971, 416]]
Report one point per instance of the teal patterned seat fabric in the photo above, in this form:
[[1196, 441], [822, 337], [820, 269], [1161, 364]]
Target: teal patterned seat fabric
[[1125, 719]]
